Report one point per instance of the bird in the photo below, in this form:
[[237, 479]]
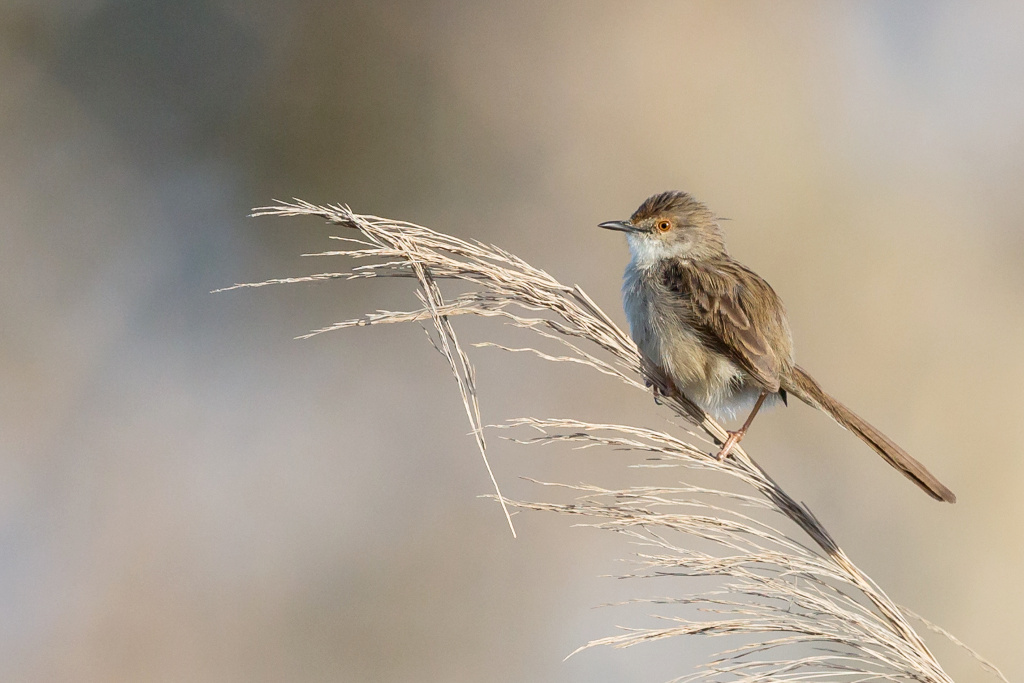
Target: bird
[[715, 331]]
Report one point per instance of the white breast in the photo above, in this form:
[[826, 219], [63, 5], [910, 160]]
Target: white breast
[[707, 378], [647, 252]]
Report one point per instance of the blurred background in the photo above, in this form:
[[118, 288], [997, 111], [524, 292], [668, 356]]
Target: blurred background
[[187, 493]]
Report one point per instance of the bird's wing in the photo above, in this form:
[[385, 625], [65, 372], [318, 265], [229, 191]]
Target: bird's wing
[[718, 301]]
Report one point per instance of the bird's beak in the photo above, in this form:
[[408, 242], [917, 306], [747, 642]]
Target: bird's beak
[[621, 226]]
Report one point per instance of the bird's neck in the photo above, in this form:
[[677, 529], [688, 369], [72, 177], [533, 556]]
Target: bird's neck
[[647, 253]]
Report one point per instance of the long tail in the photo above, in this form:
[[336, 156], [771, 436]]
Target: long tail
[[808, 391]]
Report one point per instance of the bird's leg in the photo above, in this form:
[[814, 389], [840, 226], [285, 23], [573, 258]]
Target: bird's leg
[[656, 375], [737, 436], [658, 393]]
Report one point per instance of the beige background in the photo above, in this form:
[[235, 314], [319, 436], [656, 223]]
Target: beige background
[[187, 494]]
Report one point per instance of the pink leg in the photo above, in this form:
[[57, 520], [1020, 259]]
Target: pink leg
[[737, 436]]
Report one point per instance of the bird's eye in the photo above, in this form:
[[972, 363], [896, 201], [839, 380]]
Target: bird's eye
[[664, 226]]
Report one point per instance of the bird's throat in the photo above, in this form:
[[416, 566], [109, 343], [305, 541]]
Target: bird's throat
[[648, 252]]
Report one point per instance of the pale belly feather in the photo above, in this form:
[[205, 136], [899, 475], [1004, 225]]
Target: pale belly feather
[[706, 377]]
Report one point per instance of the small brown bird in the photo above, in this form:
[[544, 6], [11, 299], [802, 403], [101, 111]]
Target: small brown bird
[[714, 330]]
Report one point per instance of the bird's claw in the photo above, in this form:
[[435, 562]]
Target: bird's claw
[[734, 438]]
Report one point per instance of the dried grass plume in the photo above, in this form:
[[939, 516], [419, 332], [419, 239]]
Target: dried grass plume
[[805, 611]]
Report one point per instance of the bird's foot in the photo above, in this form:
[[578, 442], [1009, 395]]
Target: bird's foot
[[663, 391], [734, 438], [656, 391]]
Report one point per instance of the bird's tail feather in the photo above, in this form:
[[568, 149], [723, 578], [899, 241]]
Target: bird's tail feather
[[808, 391]]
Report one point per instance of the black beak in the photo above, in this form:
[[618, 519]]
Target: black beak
[[621, 226]]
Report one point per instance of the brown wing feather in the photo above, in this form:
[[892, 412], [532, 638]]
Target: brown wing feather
[[718, 303]]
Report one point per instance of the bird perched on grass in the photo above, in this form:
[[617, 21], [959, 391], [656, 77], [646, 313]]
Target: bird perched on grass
[[713, 330]]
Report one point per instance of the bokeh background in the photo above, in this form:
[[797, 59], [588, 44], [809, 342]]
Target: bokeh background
[[187, 493]]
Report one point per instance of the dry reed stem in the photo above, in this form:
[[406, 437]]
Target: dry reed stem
[[773, 583]]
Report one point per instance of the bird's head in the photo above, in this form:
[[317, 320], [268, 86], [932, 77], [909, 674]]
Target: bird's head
[[671, 225]]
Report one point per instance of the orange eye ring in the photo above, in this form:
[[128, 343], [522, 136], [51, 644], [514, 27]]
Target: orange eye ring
[[664, 226]]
